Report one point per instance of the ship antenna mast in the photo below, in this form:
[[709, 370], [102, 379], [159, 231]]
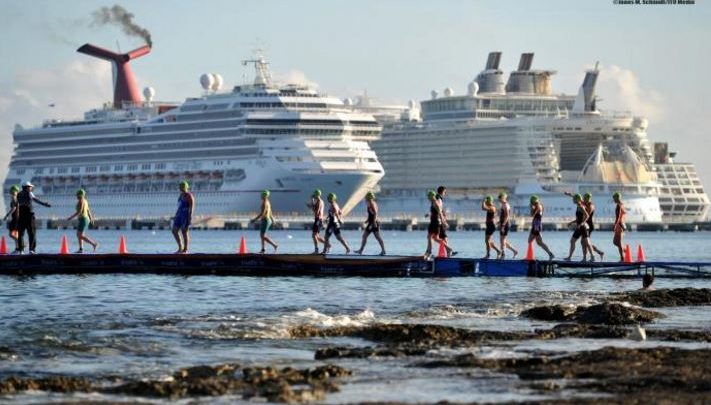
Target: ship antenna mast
[[261, 67]]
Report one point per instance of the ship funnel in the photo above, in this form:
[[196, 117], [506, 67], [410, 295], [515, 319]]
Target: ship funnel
[[125, 88], [492, 63], [491, 79], [525, 62], [585, 101], [527, 81]]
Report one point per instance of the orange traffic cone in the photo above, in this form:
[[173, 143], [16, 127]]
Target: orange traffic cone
[[3, 246], [242, 246], [640, 254], [122, 246], [442, 251], [529, 252], [628, 254], [64, 248]]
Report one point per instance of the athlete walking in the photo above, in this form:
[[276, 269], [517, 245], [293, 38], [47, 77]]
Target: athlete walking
[[372, 224], [504, 226]]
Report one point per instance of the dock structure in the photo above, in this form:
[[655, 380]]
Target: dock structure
[[207, 264]]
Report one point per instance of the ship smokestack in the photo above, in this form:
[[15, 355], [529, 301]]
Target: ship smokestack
[[585, 102], [525, 62], [491, 79], [492, 63], [125, 88]]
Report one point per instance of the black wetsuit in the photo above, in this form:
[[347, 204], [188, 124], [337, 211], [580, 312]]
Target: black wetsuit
[[14, 223], [26, 219], [372, 225], [490, 225], [504, 227], [537, 224], [435, 224], [442, 226], [618, 213], [333, 227], [581, 228]]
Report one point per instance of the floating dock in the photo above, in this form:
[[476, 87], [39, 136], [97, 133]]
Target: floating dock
[[292, 265]]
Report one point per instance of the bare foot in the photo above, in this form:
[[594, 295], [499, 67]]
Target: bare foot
[[96, 246]]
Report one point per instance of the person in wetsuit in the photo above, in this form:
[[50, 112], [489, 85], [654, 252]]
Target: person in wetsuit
[[434, 227], [504, 226], [316, 205], [372, 224], [444, 225], [580, 225], [266, 219], [619, 226], [84, 219], [333, 227], [590, 208], [26, 219], [14, 214], [183, 218], [537, 225], [487, 205]]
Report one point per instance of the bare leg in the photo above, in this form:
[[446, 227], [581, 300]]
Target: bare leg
[[443, 242], [502, 245], [429, 245], [380, 241], [271, 242], [90, 241], [344, 243], [186, 240], [316, 238], [573, 240], [362, 242], [617, 241], [176, 235], [539, 240], [511, 248], [80, 240]]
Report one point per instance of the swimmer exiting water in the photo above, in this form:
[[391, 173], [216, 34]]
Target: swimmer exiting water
[[183, 218], [581, 229], [488, 205], [335, 220], [504, 226], [436, 219], [316, 205], [84, 217], [590, 207], [266, 220], [537, 225], [647, 281], [372, 224], [619, 227]]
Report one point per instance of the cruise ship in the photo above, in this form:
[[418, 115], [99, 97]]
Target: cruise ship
[[131, 154], [519, 137]]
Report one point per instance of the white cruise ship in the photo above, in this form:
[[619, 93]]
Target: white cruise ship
[[130, 155], [521, 138]]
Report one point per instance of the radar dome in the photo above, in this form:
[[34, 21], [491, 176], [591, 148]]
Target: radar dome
[[149, 93], [348, 102], [217, 84], [473, 88], [206, 81], [434, 94], [448, 92]]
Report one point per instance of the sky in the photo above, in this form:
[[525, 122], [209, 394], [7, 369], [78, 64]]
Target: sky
[[654, 58]]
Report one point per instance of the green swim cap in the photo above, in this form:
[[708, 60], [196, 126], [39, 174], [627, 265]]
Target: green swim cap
[[317, 193], [587, 197], [431, 193], [534, 199], [332, 197], [265, 193], [577, 197], [617, 195], [81, 193], [503, 195], [184, 184], [14, 189], [488, 198], [370, 195]]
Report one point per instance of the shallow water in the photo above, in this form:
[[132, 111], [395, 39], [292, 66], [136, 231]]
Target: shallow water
[[148, 325]]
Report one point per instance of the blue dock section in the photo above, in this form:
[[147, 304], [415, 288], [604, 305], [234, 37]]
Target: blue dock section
[[333, 266]]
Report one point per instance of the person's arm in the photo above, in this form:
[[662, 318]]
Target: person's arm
[[40, 202], [262, 213], [505, 217], [339, 214], [76, 214], [587, 216], [191, 204], [12, 210]]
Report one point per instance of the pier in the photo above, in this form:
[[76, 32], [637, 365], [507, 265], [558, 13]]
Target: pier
[[297, 265]]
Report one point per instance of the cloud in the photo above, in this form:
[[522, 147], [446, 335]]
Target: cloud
[[620, 89], [74, 88]]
